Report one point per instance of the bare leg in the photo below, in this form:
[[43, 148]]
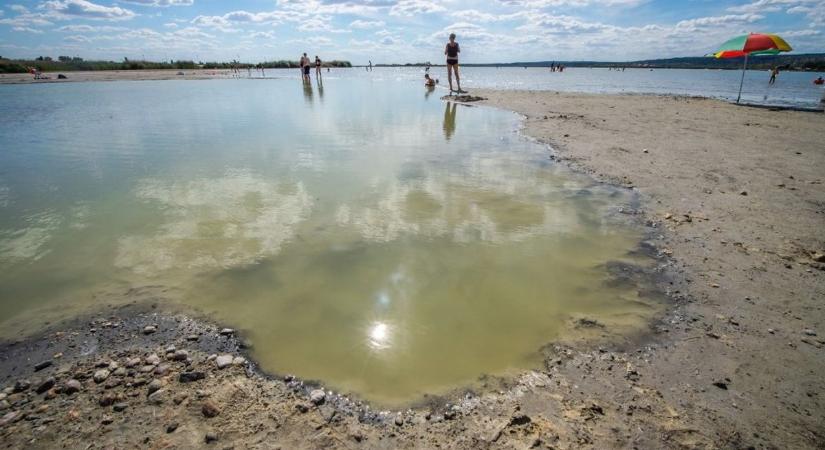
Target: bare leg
[[457, 78], [450, 76]]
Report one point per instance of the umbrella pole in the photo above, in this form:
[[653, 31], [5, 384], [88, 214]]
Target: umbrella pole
[[742, 81]]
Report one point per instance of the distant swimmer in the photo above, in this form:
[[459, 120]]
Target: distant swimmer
[[819, 80], [452, 50], [429, 82]]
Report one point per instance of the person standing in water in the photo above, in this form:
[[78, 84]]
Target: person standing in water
[[305, 67], [452, 50], [774, 73], [317, 67], [370, 66]]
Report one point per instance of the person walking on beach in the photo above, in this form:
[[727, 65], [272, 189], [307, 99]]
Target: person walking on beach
[[452, 50], [317, 67], [369, 68], [774, 73]]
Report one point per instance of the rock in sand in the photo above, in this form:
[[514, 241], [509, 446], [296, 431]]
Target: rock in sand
[[100, 376], [210, 409], [317, 396], [72, 386], [223, 361]]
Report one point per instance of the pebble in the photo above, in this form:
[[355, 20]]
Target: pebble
[[210, 437], [449, 414], [132, 362], [45, 385], [210, 409], [192, 337], [302, 408], [153, 359], [119, 407], [9, 418], [399, 420], [171, 349], [21, 385], [171, 427], [809, 332], [107, 400], [162, 369], [223, 361], [100, 376], [188, 377], [149, 329], [155, 386], [40, 366], [157, 397], [317, 396], [106, 420], [239, 361], [72, 386], [227, 332], [120, 372]]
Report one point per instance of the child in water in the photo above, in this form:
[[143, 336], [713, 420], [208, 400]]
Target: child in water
[[429, 82]]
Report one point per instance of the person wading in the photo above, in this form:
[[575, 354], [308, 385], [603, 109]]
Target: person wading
[[452, 50]]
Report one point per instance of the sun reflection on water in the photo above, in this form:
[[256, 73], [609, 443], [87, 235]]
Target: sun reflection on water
[[379, 336]]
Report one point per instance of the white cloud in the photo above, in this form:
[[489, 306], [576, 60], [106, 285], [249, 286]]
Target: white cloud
[[27, 30], [161, 3], [19, 9], [415, 7], [90, 29], [366, 24], [67, 9]]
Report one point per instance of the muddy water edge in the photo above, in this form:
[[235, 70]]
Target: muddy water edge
[[140, 339]]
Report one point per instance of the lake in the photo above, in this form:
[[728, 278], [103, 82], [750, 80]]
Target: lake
[[361, 232], [791, 89]]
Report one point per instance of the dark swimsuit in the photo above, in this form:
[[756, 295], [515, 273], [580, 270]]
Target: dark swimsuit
[[452, 54]]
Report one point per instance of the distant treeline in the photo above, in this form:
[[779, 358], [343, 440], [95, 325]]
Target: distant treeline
[[70, 64], [814, 62], [281, 64]]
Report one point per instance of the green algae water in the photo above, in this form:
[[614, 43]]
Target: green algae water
[[362, 233]]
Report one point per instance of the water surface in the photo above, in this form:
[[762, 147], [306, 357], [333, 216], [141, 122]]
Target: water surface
[[363, 233], [791, 89]]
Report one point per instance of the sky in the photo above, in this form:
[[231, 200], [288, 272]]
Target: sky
[[397, 31]]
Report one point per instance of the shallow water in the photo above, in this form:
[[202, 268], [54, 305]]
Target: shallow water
[[365, 234], [791, 89]]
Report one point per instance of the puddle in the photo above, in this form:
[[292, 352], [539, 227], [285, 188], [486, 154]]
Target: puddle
[[388, 245]]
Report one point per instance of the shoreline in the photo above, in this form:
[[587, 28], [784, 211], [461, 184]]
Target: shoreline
[[708, 375]]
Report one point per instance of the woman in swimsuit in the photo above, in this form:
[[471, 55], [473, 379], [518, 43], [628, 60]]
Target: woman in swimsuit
[[452, 50], [317, 67]]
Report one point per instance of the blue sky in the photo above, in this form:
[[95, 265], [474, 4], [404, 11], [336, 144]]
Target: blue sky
[[397, 30]]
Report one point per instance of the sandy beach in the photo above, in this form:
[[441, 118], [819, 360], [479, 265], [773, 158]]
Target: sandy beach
[[734, 201]]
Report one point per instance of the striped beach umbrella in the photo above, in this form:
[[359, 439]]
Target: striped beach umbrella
[[751, 44]]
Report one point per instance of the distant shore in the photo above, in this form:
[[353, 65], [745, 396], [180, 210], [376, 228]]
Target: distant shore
[[736, 200]]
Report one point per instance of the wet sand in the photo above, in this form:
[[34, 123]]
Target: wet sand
[[736, 205]]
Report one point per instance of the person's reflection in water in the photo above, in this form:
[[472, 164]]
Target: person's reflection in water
[[308, 91], [320, 88], [429, 91], [449, 120]]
